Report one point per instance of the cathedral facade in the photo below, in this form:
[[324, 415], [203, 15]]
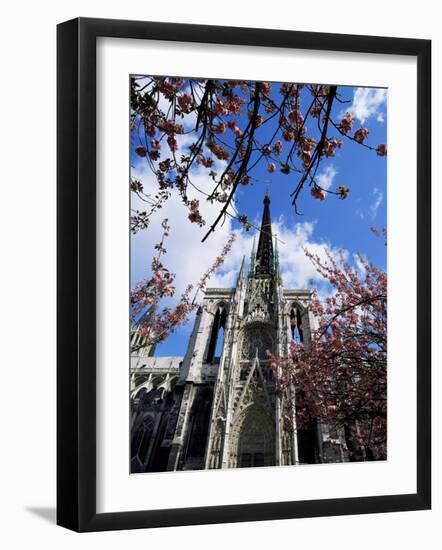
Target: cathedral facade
[[216, 407]]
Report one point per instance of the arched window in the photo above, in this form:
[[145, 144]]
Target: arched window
[[296, 325], [141, 439], [216, 340]]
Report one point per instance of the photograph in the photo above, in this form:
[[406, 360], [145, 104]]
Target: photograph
[[220, 217], [258, 273]]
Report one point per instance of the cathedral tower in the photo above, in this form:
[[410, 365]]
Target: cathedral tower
[[221, 410]]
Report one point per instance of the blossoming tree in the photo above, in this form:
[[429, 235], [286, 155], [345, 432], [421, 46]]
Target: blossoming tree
[[228, 128], [340, 376], [154, 323]]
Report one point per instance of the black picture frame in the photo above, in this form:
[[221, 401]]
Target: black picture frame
[[76, 274]]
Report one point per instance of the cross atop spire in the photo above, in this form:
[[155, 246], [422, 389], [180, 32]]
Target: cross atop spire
[[264, 254]]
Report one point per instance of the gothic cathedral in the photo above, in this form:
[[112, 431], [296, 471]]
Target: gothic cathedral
[[216, 407]]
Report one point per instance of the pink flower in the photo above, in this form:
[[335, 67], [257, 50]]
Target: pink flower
[[219, 128], [195, 215], [317, 193], [266, 151], [330, 147], [382, 150], [205, 161], [232, 125], [170, 127], [218, 150], [221, 108], [346, 123], [306, 158], [172, 142], [149, 129], [277, 147], [296, 118], [154, 155], [361, 134], [185, 102], [265, 88], [140, 151]]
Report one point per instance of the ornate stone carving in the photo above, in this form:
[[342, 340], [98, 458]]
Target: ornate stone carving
[[256, 342]]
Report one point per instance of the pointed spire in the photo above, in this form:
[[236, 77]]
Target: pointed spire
[[264, 255], [242, 271], [276, 257], [252, 257]]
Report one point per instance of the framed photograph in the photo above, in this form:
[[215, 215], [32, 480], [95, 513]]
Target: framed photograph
[[243, 274]]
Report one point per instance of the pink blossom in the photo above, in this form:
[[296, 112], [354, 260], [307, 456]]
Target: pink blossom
[[185, 102], [296, 118], [171, 127], [277, 147], [317, 193], [265, 88], [172, 142], [141, 151], [232, 125], [381, 150], [205, 161], [346, 123], [219, 128], [361, 134], [306, 158], [266, 151]]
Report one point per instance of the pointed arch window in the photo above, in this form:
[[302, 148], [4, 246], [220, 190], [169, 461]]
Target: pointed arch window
[[216, 341], [141, 439], [296, 325]]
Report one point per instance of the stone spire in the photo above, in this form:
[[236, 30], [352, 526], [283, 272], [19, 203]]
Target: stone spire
[[264, 255], [242, 272], [276, 258], [252, 258]]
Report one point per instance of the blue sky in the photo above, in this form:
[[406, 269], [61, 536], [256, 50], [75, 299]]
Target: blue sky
[[328, 225]]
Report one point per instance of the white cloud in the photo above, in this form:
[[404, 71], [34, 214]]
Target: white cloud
[[367, 103], [357, 260], [326, 177], [378, 198], [296, 268], [186, 255]]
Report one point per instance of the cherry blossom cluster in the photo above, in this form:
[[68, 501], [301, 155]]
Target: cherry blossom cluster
[[155, 323], [218, 125], [340, 374]]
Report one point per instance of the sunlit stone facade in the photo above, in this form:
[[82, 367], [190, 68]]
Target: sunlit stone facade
[[216, 407]]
